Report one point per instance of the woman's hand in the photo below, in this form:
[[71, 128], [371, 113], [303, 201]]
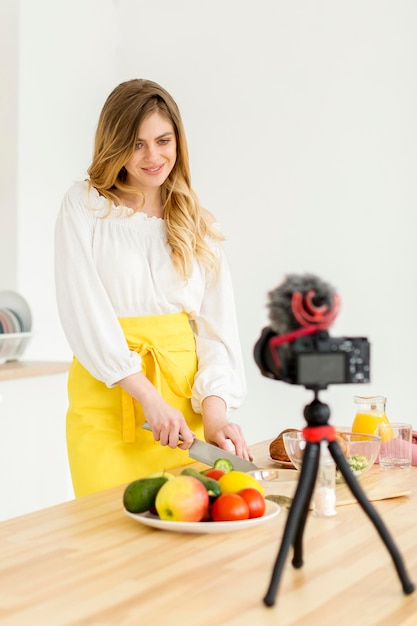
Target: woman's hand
[[166, 422], [219, 431]]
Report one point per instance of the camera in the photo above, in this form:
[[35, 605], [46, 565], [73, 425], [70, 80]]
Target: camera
[[315, 360]]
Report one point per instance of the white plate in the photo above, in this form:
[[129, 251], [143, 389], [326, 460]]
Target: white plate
[[16, 303], [271, 511]]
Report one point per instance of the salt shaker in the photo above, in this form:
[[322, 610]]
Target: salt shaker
[[324, 499]]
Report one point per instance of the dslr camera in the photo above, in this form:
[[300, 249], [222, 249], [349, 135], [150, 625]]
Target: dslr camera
[[315, 360]]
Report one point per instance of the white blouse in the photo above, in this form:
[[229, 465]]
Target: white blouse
[[120, 266]]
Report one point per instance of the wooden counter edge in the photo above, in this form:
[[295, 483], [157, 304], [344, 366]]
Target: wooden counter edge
[[13, 370]]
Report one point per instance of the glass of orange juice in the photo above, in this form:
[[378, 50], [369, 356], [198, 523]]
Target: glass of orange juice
[[370, 412]]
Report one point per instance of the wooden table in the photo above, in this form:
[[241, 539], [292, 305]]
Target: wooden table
[[85, 562], [13, 370]]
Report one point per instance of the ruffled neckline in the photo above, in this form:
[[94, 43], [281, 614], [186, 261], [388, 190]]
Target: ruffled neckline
[[118, 210]]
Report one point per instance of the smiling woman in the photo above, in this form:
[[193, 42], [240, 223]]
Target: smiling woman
[[145, 299]]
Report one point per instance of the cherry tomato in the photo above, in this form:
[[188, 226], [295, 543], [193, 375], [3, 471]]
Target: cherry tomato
[[213, 473], [229, 507], [254, 500]]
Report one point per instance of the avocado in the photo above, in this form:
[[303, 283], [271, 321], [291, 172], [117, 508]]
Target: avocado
[[139, 495]]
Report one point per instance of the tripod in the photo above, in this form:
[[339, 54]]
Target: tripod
[[317, 415]]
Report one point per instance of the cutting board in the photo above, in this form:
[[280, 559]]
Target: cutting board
[[378, 484]]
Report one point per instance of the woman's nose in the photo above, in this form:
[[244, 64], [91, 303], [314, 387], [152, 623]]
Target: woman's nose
[[151, 152]]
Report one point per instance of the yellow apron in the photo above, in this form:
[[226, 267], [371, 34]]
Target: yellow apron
[[106, 444]]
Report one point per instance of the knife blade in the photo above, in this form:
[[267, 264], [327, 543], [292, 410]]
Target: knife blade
[[208, 453]]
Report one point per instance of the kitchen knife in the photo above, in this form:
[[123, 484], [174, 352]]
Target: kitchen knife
[[208, 454]]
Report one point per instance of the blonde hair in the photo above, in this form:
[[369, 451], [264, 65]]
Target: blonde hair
[[123, 112]]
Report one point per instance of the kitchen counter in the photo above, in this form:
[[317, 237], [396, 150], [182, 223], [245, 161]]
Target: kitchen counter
[[13, 370], [84, 562]]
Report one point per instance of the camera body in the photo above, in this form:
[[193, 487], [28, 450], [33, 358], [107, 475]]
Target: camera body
[[315, 361]]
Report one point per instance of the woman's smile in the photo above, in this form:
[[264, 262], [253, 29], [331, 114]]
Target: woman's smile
[[152, 171]]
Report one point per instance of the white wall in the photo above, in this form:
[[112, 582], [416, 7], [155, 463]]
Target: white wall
[[302, 131], [9, 48], [67, 67]]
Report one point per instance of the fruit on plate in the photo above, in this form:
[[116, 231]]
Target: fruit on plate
[[213, 473], [212, 486], [235, 481], [195, 496], [182, 499], [140, 495], [229, 507], [254, 500]]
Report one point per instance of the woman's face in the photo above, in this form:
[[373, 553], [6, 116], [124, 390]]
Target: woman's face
[[155, 154]]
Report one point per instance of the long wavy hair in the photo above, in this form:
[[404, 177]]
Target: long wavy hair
[[128, 105]]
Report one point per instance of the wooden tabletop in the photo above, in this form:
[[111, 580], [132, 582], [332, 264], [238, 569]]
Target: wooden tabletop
[[85, 562], [13, 370]]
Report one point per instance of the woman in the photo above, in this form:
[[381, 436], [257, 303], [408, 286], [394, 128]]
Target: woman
[[145, 299]]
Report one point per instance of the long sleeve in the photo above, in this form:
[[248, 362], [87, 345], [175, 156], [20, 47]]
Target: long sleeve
[[86, 312], [220, 366]]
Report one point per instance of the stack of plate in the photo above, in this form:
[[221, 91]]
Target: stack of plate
[[15, 325]]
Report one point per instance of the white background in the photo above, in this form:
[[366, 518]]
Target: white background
[[302, 127]]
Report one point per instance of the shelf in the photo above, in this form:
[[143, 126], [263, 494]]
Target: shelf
[[13, 370]]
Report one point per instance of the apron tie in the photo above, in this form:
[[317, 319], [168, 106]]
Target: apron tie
[[156, 363]]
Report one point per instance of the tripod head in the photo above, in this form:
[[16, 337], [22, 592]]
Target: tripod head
[[317, 413]]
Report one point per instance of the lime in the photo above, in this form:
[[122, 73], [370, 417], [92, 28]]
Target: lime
[[235, 481]]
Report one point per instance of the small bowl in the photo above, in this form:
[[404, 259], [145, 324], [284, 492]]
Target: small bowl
[[264, 474], [360, 450]]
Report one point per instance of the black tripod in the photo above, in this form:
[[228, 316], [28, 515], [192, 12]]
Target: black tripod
[[317, 430]]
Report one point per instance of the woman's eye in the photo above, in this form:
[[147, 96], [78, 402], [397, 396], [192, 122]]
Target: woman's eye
[[138, 145], [163, 142]]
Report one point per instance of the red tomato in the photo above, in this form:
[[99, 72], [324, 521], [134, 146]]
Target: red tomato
[[254, 500], [229, 507], [213, 473]]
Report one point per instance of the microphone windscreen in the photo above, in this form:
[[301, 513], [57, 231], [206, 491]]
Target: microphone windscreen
[[313, 294]]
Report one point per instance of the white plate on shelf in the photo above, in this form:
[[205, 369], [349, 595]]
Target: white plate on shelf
[[148, 519], [18, 305]]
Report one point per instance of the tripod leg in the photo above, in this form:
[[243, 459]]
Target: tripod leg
[[356, 489], [297, 560], [296, 516]]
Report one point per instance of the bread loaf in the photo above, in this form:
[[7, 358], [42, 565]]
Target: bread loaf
[[277, 449]]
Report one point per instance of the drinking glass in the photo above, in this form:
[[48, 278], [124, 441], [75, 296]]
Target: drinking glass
[[395, 450]]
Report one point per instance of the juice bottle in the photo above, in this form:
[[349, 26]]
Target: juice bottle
[[370, 412]]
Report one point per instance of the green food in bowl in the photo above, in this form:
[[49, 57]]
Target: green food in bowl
[[360, 450], [358, 465]]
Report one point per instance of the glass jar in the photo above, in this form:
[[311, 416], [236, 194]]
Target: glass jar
[[370, 412]]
